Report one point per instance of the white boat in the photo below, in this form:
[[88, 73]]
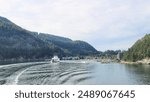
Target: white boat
[[55, 59]]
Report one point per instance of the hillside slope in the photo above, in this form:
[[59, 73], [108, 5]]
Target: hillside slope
[[140, 50], [67, 45]]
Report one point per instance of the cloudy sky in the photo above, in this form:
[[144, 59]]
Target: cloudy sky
[[106, 24]]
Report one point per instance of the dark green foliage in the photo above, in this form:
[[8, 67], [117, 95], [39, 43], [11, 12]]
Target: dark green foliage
[[139, 51], [108, 54], [18, 43], [68, 46]]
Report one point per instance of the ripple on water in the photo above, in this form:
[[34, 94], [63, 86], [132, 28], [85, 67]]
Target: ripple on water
[[62, 73]]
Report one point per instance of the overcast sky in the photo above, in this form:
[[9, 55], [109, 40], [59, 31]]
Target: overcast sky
[[105, 24]]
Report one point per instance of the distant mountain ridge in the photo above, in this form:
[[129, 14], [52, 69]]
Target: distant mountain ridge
[[139, 51], [17, 43]]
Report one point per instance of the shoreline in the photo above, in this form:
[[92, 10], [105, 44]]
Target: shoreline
[[144, 61]]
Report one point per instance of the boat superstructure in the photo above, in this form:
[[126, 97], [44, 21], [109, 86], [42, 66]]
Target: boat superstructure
[[55, 59]]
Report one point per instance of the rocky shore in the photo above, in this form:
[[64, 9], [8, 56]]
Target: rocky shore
[[144, 61]]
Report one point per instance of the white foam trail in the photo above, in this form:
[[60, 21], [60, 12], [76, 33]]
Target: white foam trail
[[17, 77]]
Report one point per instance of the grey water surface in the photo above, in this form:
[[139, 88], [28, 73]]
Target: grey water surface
[[74, 73]]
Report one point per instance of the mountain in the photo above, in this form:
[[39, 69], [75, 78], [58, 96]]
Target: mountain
[[140, 50], [19, 43], [67, 45]]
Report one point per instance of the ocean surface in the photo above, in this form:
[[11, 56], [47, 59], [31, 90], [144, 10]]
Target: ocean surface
[[74, 73]]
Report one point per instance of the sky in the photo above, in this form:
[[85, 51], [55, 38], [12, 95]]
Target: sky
[[105, 24]]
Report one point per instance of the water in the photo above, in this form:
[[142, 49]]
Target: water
[[74, 73]]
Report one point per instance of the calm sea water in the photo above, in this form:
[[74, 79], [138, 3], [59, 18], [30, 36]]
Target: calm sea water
[[74, 72]]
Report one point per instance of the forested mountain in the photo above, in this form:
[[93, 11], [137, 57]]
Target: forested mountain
[[18, 43], [140, 50], [67, 45]]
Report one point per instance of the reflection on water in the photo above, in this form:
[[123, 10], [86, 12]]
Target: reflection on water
[[140, 72], [74, 72]]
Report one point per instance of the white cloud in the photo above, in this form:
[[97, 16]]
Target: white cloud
[[89, 20]]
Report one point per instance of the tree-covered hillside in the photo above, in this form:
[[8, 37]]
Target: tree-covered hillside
[[140, 50], [18, 43], [67, 45]]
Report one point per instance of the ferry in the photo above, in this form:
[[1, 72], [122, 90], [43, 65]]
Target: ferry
[[55, 59]]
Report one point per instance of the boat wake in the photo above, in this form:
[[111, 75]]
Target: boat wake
[[46, 73]]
